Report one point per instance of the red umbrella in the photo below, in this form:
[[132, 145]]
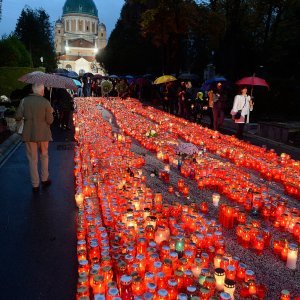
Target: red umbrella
[[252, 81]]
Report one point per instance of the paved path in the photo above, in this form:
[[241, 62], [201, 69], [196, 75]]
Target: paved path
[[38, 232]]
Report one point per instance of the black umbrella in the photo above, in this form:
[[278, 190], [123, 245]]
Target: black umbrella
[[85, 75]]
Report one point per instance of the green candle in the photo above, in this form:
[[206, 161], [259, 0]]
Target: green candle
[[179, 243]]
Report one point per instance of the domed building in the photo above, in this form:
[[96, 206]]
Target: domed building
[[79, 36]]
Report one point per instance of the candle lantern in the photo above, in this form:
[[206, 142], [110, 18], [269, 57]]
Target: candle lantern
[[259, 245], [179, 245], [162, 234], [252, 287], [196, 268], [173, 288], [230, 272], [204, 273], [220, 278], [204, 293], [241, 271], [151, 220], [215, 199], [249, 275], [292, 256], [229, 287], [285, 295]]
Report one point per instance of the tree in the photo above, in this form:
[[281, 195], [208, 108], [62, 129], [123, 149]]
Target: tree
[[34, 30], [127, 52], [13, 53], [170, 25]]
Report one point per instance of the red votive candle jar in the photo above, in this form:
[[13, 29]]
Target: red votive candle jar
[[241, 270]]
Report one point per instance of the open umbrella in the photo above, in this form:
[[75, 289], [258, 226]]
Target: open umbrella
[[88, 74], [252, 81], [209, 83], [164, 79], [49, 80], [77, 82], [114, 76], [186, 148]]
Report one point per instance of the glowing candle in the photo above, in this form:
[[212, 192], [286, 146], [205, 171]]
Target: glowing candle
[[252, 287], [292, 256], [229, 287], [179, 244], [196, 268], [285, 295], [220, 278], [79, 199], [217, 261], [215, 199]]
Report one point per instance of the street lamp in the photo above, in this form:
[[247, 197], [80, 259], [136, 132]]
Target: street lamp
[[42, 59]]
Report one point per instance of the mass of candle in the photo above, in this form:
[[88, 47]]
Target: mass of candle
[[134, 243]]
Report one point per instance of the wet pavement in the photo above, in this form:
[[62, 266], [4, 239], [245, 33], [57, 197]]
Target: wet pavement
[[38, 231]]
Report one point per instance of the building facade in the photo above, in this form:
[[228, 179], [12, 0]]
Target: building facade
[[79, 36]]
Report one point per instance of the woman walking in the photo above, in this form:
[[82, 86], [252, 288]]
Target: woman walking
[[242, 105]]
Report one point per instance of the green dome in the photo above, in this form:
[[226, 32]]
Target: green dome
[[86, 7]]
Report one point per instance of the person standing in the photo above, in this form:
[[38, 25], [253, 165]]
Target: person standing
[[38, 116], [65, 104], [219, 100], [87, 87], [210, 108], [242, 105]]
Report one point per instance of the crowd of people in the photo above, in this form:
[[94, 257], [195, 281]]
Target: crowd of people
[[184, 99]]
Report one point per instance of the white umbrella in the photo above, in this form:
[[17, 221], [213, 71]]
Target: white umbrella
[[186, 148], [49, 80]]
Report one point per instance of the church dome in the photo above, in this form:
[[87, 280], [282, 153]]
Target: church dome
[[86, 7]]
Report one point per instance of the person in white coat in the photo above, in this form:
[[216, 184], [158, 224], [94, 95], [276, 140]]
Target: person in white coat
[[242, 105]]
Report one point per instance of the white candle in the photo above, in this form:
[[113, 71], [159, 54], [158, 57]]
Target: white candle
[[167, 168], [196, 268], [292, 256], [79, 199], [215, 199], [229, 287], [217, 260], [220, 278]]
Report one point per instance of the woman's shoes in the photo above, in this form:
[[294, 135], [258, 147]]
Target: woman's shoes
[[46, 183]]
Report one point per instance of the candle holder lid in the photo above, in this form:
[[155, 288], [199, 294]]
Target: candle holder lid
[[162, 293]]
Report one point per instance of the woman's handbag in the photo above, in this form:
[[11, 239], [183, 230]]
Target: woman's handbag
[[238, 115]]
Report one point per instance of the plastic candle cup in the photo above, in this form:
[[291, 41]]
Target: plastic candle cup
[[179, 244], [215, 199], [292, 256], [220, 277]]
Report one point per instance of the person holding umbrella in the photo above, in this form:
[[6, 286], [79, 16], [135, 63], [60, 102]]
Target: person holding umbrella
[[38, 116], [242, 105]]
